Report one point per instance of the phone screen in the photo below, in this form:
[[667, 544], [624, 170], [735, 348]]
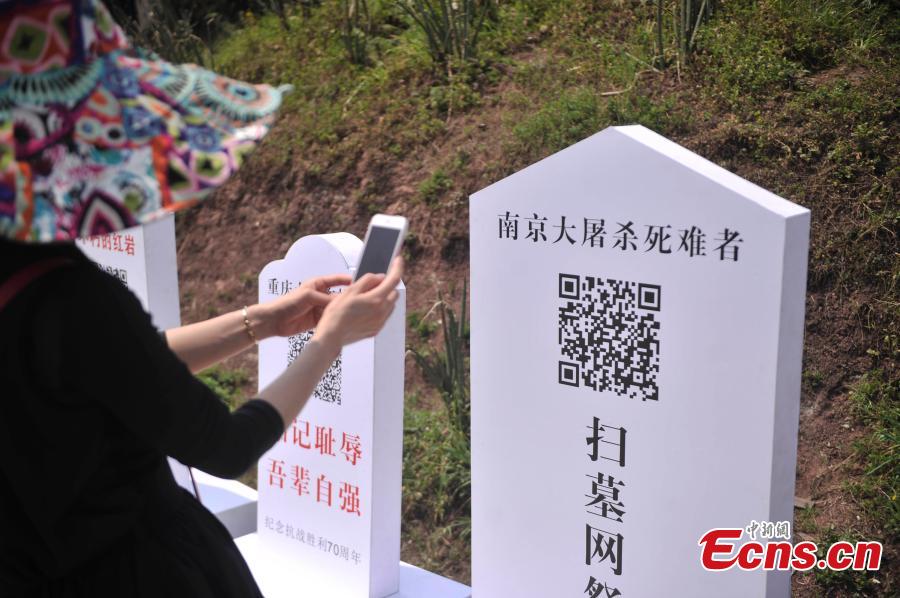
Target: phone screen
[[378, 251]]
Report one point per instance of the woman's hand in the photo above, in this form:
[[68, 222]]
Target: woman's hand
[[357, 313], [205, 343], [301, 309], [361, 310]]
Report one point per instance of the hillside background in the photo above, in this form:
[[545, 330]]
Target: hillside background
[[798, 96]]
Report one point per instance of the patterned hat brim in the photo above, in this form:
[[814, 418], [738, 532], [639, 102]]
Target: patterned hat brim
[[120, 140]]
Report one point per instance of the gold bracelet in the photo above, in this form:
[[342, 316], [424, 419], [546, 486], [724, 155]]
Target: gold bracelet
[[247, 326]]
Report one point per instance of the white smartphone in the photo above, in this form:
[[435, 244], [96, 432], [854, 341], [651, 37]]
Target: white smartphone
[[383, 241]]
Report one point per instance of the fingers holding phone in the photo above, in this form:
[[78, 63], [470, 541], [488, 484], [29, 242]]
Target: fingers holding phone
[[388, 282], [363, 308]]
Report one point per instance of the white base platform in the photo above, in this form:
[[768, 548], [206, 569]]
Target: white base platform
[[232, 502], [277, 576]]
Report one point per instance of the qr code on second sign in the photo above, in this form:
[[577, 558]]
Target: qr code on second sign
[[329, 387], [609, 335]]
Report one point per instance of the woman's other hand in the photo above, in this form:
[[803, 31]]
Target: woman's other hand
[[302, 308], [360, 310]]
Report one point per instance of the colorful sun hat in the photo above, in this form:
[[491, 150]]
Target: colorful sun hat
[[96, 135]]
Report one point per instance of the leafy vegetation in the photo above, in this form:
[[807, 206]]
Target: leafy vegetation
[[436, 491], [436, 470], [574, 115], [178, 32], [431, 188], [684, 17], [420, 325], [437, 444], [876, 403], [356, 27], [228, 384], [451, 28], [448, 370], [849, 583]]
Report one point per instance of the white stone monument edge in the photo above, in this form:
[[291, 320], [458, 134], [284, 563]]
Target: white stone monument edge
[[269, 568], [685, 157], [348, 245], [162, 283], [387, 466], [712, 171], [788, 380]]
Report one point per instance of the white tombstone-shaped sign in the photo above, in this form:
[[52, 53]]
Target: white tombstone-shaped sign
[[637, 332], [143, 258], [329, 491]]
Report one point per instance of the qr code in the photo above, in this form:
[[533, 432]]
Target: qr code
[[609, 335], [119, 273], [329, 387]]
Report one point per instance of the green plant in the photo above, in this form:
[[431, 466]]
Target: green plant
[[816, 33], [448, 370], [664, 116], [451, 27], [420, 325], [436, 470], [356, 27], [171, 32], [813, 379], [431, 188], [569, 118], [279, 8], [456, 94], [227, 384], [850, 583], [742, 59], [876, 402], [306, 6], [685, 16], [805, 520]]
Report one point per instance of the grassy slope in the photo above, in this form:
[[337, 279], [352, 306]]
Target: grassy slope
[[797, 96]]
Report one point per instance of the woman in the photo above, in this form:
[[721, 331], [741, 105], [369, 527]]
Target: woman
[[94, 137]]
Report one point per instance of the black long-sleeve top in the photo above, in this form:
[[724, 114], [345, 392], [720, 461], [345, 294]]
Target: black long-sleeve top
[[91, 401]]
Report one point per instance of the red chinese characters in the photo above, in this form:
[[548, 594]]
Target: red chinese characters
[[343, 496], [322, 440], [276, 473], [351, 447], [349, 496], [114, 242]]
